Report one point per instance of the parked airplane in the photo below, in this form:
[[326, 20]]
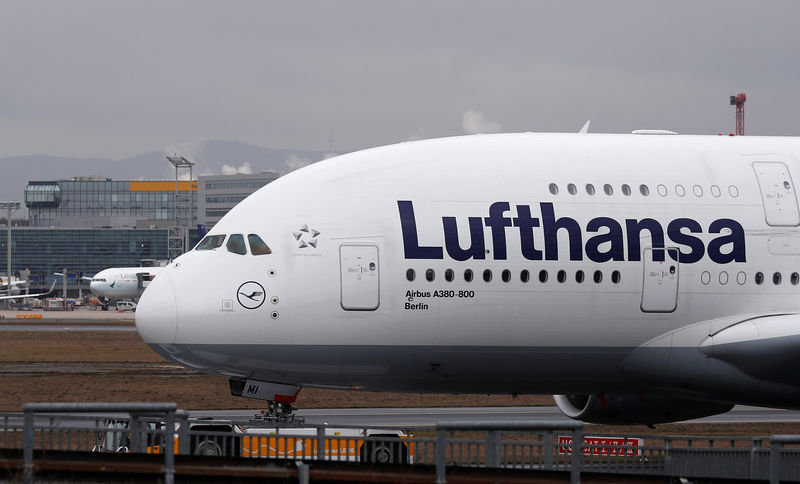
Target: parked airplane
[[26, 296], [640, 278], [121, 282], [17, 285]]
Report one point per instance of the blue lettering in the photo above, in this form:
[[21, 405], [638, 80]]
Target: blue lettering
[[476, 249], [613, 238], [498, 224], [408, 224], [695, 244], [635, 228], [735, 238], [526, 224], [608, 243], [551, 228]]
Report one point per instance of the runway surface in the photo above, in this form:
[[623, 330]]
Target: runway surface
[[429, 417]]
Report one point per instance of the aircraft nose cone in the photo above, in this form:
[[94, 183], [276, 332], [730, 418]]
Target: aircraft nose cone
[[156, 313]]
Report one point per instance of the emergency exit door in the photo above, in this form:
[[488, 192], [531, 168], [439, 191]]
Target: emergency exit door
[[777, 194], [360, 281], [660, 288]]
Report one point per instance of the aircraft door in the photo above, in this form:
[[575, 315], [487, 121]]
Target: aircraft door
[[777, 194], [360, 281], [660, 288]]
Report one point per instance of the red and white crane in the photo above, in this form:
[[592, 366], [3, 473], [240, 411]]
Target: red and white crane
[[738, 101]]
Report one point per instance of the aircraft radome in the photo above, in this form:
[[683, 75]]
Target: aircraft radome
[[639, 278]]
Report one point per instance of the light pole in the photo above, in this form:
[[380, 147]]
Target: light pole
[[10, 208], [181, 162]]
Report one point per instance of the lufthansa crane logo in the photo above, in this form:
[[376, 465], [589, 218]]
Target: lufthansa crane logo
[[306, 237], [251, 295]]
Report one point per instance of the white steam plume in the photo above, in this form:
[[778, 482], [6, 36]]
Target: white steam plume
[[475, 122]]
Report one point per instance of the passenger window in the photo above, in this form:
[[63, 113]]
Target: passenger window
[[679, 190], [543, 276], [506, 275], [554, 189], [525, 276], [662, 190], [759, 278], [644, 190], [616, 276], [411, 275], [562, 276], [608, 189], [487, 275], [590, 189], [626, 190], [776, 278], [448, 275], [579, 277], [468, 275], [236, 244], [210, 242], [257, 246], [598, 277], [430, 275], [795, 278], [572, 189]]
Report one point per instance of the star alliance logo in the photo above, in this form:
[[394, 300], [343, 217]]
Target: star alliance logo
[[306, 237], [250, 295]]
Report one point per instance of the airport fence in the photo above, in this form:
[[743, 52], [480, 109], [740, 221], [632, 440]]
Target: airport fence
[[43, 431]]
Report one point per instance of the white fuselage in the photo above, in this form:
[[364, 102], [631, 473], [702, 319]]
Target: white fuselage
[[122, 282], [564, 287]]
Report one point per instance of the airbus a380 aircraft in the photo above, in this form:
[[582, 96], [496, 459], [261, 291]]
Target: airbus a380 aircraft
[[640, 278]]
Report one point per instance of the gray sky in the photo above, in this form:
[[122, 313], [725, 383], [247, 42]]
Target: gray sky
[[114, 79]]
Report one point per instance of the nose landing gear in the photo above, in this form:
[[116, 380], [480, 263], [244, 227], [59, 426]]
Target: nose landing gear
[[278, 412], [278, 396]]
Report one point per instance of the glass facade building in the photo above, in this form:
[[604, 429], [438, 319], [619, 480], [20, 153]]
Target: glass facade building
[[87, 224], [218, 194], [47, 250], [102, 202]]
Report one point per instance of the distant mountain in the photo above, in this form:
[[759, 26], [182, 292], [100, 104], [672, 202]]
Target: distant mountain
[[210, 157]]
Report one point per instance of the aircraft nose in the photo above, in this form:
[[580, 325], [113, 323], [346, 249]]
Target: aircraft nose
[[156, 313]]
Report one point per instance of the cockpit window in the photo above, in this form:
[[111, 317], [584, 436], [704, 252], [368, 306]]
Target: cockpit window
[[99, 279], [257, 246], [236, 244], [210, 242]]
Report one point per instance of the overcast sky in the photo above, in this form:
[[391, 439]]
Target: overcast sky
[[114, 79]]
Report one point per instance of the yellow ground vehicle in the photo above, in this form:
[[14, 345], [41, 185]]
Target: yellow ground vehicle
[[223, 438], [371, 445]]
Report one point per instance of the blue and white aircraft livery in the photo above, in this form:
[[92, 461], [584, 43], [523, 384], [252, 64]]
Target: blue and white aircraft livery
[[639, 278]]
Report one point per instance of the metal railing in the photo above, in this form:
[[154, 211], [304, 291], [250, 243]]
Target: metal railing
[[515, 446]]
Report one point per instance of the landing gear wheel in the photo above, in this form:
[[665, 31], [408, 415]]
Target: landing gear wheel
[[279, 412]]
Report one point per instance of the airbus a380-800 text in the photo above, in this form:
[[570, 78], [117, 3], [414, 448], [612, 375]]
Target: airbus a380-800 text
[[639, 278]]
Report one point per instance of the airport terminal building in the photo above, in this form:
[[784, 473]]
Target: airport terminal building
[[86, 224]]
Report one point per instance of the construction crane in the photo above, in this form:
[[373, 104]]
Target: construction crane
[[738, 101]]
